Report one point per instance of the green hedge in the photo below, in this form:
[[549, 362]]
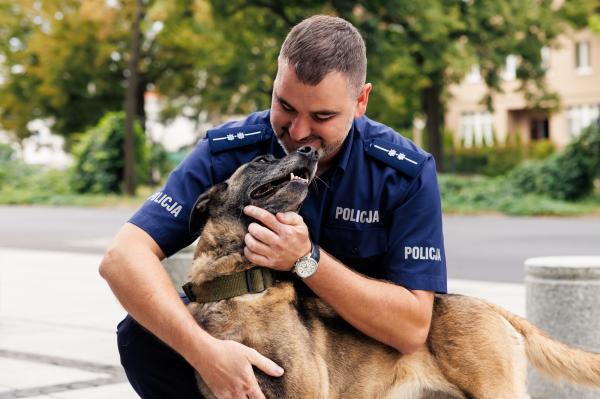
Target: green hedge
[[494, 161], [475, 194]]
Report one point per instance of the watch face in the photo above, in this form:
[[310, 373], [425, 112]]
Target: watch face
[[306, 267]]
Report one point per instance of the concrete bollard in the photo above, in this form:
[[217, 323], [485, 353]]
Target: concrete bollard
[[563, 299], [178, 266]]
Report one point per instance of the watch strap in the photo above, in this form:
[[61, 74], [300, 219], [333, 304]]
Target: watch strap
[[315, 252]]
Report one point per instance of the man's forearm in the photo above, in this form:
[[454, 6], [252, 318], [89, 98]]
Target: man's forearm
[[386, 312], [143, 287]]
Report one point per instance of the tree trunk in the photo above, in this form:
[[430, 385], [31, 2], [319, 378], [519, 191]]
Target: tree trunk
[[434, 112], [131, 100], [141, 101]]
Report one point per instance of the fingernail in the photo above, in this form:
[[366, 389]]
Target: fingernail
[[279, 370]]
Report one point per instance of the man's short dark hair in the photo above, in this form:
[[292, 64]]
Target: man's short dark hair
[[322, 44]]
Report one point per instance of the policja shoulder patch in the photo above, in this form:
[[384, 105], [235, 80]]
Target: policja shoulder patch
[[400, 158], [235, 137]]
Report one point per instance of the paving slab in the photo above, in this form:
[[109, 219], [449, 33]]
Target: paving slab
[[56, 287], [22, 374], [120, 391], [508, 295]]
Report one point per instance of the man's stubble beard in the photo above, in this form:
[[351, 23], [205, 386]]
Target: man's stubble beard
[[325, 151]]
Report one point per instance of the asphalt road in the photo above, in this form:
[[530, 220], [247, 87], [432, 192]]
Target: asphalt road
[[488, 248]]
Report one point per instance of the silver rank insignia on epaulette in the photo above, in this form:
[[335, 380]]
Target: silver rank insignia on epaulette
[[403, 159], [235, 137]]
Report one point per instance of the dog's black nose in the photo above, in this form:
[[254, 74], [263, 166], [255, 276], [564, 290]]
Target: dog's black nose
[[308, 151]]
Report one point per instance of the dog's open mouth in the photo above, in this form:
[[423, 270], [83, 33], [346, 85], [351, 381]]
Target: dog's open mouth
[[265, 190]]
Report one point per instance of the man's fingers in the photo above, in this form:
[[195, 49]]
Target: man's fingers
[[289, 218], [266, 217], [265, 364], [256, 258], [262, 234], [255, 392], [255, 245]]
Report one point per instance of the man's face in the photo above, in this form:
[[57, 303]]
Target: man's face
[[319, 116]]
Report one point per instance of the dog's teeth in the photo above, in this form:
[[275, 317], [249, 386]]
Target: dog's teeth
[[298, 178]]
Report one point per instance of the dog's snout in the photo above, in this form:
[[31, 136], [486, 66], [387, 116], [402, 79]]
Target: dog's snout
[[308, 151]]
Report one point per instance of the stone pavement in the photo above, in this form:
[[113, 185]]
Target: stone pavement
[[58, 319]]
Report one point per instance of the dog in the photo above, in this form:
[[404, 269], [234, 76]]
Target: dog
[[475, 349]]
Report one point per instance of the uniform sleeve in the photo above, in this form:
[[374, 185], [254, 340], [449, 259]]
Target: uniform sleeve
[[164, 216], [415, 257]]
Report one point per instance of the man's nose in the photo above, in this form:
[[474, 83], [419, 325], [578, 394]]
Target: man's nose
[[299, 129]]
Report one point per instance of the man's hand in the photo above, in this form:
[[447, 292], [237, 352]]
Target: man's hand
[[227, 370], [279, 243]]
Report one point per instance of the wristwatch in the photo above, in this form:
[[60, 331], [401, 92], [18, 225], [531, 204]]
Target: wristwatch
[[306, 266]]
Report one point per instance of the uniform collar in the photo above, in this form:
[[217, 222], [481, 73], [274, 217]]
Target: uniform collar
[[344, 155]]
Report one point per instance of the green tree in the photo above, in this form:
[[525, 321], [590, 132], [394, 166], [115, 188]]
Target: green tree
[[67, 59]]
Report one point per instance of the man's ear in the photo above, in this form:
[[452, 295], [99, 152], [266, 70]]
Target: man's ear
[[199, 213], [362, 100]]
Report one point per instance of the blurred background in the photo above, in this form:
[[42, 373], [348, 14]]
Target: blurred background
[[99, 99]]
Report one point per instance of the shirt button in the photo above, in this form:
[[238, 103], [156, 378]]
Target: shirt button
[[355, 251]]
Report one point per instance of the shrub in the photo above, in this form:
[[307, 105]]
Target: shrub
[[526, 178], [567, 175], [99, 156], [6, 153]]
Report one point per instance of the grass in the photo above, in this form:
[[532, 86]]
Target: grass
[[30, 185], [82, 200]]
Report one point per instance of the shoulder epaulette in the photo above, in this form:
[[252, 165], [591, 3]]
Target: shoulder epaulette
[[403, 159], [235, 137]]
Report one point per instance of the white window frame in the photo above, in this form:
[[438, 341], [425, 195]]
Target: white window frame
[[581, 116], [545, 54], [583, 58], [477, 129], [474, 75], [510, 68]]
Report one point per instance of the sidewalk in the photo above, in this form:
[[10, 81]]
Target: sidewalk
[[58, 318]]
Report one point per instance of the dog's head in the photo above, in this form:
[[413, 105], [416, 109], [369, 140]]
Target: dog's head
[[277, 185]]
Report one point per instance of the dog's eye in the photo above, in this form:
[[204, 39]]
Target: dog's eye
[[262, 159]]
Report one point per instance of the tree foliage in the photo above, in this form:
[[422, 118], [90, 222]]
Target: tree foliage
[[66, 59]]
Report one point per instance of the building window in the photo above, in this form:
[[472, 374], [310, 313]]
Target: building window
[[545, 57], [510, 68], [474, 75], [539, 128], [581, 116], [476, 129], [582, 58]]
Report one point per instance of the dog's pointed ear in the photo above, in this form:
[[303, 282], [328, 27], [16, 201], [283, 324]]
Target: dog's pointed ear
[[199, 213]]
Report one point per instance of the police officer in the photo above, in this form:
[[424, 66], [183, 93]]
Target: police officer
[[374, 211]]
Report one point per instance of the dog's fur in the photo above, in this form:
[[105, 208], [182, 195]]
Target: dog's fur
[[475, 349]]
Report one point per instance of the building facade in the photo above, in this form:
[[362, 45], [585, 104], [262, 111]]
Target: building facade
[[573, 72]]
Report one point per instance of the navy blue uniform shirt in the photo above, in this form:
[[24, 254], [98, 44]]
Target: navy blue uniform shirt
[[378, 210]]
